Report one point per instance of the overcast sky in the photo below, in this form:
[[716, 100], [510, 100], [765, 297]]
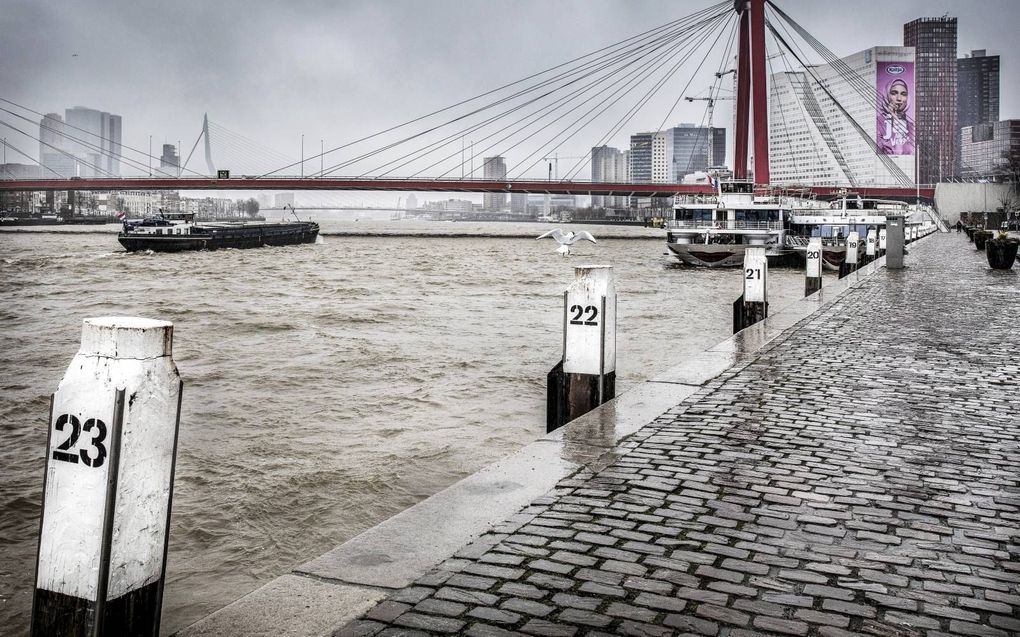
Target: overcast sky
[[337, 69]]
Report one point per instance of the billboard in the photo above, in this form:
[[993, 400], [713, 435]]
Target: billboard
[[894, 108]]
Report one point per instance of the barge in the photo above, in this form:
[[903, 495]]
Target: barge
[[177, 232]]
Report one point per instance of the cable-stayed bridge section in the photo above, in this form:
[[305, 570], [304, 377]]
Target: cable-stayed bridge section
[[586, 102]]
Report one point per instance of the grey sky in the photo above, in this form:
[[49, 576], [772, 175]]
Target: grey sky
[[339, 69]]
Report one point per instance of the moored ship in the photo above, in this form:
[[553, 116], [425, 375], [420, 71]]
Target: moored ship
[[714, 231], [176, 232]]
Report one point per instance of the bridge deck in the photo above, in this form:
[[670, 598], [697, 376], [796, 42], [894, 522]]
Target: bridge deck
[[417, 185]]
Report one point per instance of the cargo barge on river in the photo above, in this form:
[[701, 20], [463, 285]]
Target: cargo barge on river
[[176, 232]]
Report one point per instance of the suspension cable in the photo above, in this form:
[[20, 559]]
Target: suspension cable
[[624, 44], [710, 28], [652, 46], [629, 115]]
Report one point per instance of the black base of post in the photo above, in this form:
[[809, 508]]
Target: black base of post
[[747, 314], [812, 284], [555, 398], [570, 396], [135, 614]]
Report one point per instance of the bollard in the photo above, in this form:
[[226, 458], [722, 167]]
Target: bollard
[[586, 376], [853, 242], [895, 238], [871, 245], [813, 281], [881, 242], [108, 483], [753, 304]]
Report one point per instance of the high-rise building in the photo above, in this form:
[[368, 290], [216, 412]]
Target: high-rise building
[[663, 167], [412, 202], [90, 137], [54, 148], [934, 40], [494, 168], [668, 155], [812, 143], [718, 147], [519, 203], [608, 165], [170, 161], [641, 158], [991, 149], [694, 148], [977, 94], [97, 144]]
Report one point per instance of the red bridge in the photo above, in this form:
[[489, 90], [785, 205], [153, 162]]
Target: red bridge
[[423, 185], [749, 20]]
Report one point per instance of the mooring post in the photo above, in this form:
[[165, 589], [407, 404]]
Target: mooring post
[[753, 304], [881, 242], [853, 241], [813, 280], [108, 483], [871, 246], [586, 376], [894, 225]]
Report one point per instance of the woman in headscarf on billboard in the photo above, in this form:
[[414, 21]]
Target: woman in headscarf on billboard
[[895, 129]]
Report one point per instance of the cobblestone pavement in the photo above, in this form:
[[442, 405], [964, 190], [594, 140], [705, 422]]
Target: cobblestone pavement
[[861, 476]]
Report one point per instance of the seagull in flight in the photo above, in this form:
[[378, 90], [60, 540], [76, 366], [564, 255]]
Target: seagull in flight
[[567, 240]]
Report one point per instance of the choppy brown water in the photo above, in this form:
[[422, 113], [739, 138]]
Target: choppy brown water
[[327, 387]]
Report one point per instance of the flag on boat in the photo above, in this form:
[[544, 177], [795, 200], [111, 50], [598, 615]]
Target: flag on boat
[[120, 215], [713, 182]]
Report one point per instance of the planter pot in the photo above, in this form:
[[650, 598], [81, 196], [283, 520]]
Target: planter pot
[[1001, 253], [980, 238], [970, 233]]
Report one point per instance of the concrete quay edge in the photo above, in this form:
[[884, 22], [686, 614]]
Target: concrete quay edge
[[327, 592]]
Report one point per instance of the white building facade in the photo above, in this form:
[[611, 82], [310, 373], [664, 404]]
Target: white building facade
[[811, 141]]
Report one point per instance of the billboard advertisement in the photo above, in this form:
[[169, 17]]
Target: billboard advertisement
[[894, 108]]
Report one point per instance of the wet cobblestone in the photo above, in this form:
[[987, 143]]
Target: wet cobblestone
[[860, 476]]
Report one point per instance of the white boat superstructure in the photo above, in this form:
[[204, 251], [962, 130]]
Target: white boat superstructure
[[850, 213], [714, 231]]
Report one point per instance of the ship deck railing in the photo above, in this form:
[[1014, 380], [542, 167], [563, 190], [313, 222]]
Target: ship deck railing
[[689, 224], [794, 240]]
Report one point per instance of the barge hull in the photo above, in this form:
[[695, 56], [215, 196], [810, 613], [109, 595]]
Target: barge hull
[[222, 237]]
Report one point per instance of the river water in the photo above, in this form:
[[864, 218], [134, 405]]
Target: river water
[[327, 386]]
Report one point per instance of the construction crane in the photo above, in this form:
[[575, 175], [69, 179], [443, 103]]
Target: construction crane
[[556, 160], [711, 108]]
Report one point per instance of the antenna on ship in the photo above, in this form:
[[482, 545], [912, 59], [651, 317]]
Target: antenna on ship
[[292, 210]]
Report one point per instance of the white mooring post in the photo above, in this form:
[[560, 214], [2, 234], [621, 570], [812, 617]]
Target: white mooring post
[[753, 305], [586, 376], [813, 280], [880, 248], [853, 243], [108, 483], [871, 246]]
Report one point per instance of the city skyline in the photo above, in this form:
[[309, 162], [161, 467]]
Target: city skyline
[[326, 73]]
